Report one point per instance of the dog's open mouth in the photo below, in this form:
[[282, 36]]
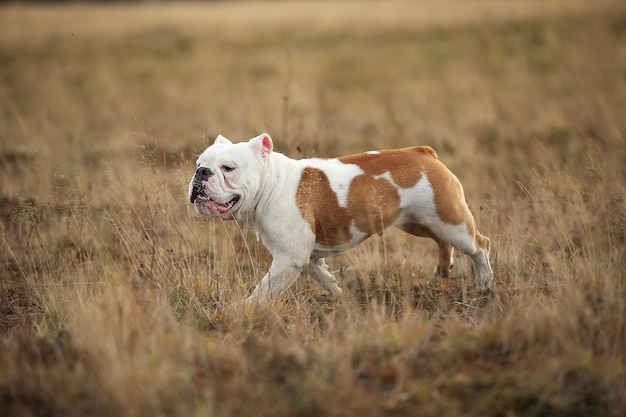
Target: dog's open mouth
[[206, 204]]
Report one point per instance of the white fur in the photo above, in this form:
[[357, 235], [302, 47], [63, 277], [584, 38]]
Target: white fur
[[339, 175]]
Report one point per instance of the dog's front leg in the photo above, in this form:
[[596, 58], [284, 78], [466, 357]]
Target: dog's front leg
[[319, 270], [283, 272]]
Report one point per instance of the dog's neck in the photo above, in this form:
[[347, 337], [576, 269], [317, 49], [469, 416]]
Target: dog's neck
[[273, 180]]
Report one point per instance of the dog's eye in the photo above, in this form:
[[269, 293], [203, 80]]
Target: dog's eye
[[227, 168]]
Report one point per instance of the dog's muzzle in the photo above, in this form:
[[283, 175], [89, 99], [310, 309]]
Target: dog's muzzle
[[197, 189]]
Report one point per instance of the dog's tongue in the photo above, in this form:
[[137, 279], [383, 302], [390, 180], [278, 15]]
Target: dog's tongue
[[219, 207]]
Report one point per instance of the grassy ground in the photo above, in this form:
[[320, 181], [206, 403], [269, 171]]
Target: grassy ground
[[116, 299]]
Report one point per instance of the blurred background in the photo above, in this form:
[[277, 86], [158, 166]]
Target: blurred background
[[114, 295]]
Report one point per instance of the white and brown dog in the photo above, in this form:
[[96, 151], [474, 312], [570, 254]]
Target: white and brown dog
[[309, 208]]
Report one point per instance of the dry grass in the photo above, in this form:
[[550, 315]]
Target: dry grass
[[115, 298]]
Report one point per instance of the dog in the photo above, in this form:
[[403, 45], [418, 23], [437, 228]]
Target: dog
[[307, 209]]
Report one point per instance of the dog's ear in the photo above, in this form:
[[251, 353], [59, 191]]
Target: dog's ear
[[221, 139], [263, 144]]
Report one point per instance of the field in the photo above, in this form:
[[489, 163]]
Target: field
[[117, 299]]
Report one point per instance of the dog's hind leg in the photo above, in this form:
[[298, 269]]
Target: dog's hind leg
[[446, 259], [466, 238], [482, 266], [446, 251]]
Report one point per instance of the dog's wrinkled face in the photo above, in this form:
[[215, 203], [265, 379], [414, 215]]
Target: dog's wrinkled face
[[228, 176]]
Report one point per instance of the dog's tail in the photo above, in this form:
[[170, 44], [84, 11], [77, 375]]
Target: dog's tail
[[428, 150]]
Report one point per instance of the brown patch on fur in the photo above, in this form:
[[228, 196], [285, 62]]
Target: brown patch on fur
[[394, 161], [406, 165], [450, 199], [448, 193], [320, 208], [373, 203]]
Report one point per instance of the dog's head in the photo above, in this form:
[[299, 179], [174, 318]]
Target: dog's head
[[228, 176]]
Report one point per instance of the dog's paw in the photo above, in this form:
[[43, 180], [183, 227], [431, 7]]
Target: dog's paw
[[333, 293]]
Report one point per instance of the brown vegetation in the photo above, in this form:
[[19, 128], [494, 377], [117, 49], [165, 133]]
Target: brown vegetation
[[116, 299]]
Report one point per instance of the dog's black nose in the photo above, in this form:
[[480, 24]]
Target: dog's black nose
[[203, 174]]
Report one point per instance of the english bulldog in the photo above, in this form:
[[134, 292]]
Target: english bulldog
[[307, 209]]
